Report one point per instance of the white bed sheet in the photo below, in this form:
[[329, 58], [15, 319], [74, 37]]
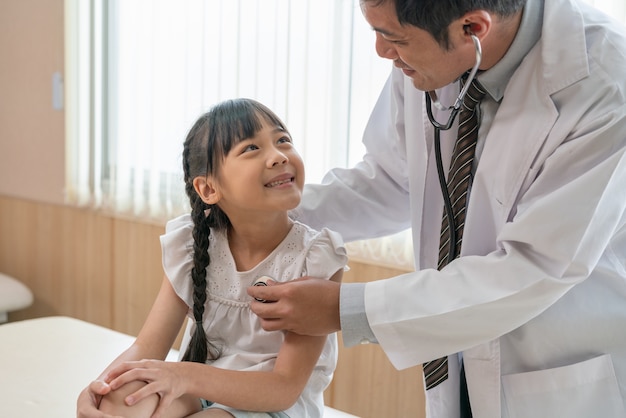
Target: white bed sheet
[[46, 362]]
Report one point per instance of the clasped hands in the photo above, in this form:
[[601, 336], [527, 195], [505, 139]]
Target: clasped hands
[[166, 379]]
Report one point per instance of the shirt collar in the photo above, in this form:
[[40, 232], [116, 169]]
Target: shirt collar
[[495, 79]]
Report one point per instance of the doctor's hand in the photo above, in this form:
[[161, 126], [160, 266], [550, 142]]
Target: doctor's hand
[[89, 400], [305, 306]]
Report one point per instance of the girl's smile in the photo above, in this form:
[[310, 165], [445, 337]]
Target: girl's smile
[[281, 180]]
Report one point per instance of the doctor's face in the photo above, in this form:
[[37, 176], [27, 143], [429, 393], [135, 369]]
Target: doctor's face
[[413, 50]]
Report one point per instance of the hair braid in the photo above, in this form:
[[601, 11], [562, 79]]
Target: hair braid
[[199, 349]]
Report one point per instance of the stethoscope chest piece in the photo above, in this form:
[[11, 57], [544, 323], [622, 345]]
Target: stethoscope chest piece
[[261, 281]]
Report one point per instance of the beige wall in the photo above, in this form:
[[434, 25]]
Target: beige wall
[[32, 152]]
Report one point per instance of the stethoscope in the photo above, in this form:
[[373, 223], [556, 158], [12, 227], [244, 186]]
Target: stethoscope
[[431, 98]]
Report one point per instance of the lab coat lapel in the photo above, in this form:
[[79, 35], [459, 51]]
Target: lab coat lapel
[[504, 171], [506, 164], [516, 146], [518, 140]]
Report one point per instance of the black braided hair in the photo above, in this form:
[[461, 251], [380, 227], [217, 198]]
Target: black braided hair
[[207, 144]]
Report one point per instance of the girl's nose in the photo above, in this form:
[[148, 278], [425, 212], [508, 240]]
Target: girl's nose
[[384, 48], [278, 158]]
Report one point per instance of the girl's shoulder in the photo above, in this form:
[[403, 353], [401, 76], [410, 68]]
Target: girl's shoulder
[[310, 237], [177, 245], [179, 232], [177, 237], [325, 252]]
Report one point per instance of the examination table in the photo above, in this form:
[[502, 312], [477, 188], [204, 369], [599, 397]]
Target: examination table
[[46, 362]]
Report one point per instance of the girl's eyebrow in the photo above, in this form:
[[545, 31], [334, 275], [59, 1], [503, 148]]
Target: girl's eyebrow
[[276, 130], [279, 129]]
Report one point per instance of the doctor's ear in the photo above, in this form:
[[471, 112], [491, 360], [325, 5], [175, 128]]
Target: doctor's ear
[[477, 22], [207, 190]]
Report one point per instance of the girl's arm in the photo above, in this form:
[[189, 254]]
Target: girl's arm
[[154, 341], [248, 390], [160, 329]]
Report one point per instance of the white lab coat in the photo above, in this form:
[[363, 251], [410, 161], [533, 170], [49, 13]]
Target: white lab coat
[[537, 301]]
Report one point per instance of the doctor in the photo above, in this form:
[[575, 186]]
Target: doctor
[[532, 314]]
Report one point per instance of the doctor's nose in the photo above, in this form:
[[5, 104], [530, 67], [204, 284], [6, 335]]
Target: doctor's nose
[[384, 48]]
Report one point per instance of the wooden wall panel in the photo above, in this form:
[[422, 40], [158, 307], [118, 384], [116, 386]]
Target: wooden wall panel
[[73, 258], [138, 273], [18, 237], [365, 382], [62, 254]]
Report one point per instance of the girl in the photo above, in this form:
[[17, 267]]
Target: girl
[[242, 174]]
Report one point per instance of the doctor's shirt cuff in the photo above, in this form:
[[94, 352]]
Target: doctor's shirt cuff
[[354, 326]]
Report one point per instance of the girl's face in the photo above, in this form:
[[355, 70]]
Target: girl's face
[[261, 173]]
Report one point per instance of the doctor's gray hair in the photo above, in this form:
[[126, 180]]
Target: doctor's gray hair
[[434, 16]]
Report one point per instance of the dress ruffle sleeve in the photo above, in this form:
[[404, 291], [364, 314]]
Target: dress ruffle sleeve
[[177, 256], [326, 255]]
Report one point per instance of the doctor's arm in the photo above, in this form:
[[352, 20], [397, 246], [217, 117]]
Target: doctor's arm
[[564, 222], [371, 199], [310, 306]]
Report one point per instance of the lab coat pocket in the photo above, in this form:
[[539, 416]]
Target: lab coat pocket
[[585, 389]]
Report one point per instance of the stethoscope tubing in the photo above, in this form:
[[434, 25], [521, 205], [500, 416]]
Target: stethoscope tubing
[[431, 98]]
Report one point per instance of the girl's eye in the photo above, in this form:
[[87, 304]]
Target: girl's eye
[[284, 139], [250, 147]]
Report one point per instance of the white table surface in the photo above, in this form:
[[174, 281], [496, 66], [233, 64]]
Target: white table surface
[[46, 362]]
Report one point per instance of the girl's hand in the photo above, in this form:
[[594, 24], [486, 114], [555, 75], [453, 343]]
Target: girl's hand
[[89, 400], [165, 379]]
